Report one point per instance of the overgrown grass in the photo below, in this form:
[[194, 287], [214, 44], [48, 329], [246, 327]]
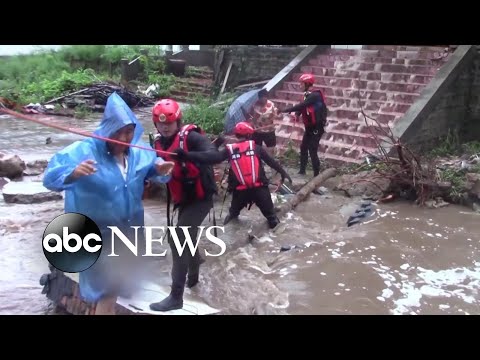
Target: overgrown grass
[[451, 145], [47, 74], [166, 83], [456, 179], [202, 112], [448, 145], [291, 156], [472, 147], [47, 89]]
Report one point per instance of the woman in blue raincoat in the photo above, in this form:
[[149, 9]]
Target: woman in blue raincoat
[[105, 182]]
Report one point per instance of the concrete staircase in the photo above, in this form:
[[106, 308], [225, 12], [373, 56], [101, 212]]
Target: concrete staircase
[[197, 82], [384, 80]]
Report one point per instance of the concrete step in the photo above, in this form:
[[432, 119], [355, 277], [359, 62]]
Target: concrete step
[[340, 128], [196, 81], [186, 96], [341, 52], [334, 101], [339, 160], [297, 97], [404, 54], [347, 139], [430, 55], [367, 128], [200, 72], [354, 114], [368, 105], [404, 48], [334, 60], [333, 152], [352, 83], [331, 158], [370, 75], [188, 87], [346, 149], [385, 68]]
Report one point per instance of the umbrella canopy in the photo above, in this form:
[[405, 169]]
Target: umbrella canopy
[[237, 112]]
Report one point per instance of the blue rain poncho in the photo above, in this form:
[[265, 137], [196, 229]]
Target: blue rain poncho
[[106, 197]]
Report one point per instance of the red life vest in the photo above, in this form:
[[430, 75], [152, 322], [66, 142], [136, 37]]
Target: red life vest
[[185, 175], [245, 164], [312, 115]]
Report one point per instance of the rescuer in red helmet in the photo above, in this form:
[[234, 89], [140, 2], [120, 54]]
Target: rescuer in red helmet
[[313, 111], [191, 190], [247, 180]]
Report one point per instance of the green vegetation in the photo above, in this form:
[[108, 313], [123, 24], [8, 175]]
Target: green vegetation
[[291, 156], [450, 145], [457, 180], [209, 115], [47, 74]]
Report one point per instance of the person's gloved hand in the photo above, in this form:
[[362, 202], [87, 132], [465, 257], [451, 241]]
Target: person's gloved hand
[[181, 155], [219, 141], [286, 176]]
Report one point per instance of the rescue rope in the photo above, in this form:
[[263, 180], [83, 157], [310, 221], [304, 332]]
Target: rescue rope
[[79, 132]]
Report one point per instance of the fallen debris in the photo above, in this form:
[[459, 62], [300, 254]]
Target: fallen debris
[[92, 98]]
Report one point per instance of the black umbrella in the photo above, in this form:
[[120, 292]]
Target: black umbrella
[[237, 112]]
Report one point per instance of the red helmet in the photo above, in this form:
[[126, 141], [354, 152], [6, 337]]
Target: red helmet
[[307, 79], [166, 110], [243, 128]]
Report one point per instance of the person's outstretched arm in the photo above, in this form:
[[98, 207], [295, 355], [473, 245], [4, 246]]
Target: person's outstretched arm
[[68, 165], [311, 99], [274, 164], [201, 150]]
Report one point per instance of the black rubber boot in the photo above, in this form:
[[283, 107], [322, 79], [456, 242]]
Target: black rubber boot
[[174, 301], [193, 273], [229, 218], [273, 222]]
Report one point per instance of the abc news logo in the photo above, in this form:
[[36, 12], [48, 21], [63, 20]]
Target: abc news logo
[[72, 242]]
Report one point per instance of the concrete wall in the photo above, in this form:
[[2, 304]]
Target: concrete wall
[[196, 57], [450, 114], [472, 129], [449, 103], [252, 63]]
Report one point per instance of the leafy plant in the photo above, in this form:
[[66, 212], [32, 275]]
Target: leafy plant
[[448, 145], [203, 113], [472, 147], [456, 179]]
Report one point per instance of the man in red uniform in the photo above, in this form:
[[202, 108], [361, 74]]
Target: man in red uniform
[[314, 115], [247, 180], [191, 190]]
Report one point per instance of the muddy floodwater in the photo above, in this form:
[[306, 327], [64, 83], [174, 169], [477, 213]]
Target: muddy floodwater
[[400, 260]]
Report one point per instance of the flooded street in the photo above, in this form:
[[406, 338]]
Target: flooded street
[[401, 260]]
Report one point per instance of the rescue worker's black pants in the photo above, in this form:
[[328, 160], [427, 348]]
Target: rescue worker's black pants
[[188, 215], [259, 196], [310, 144]]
